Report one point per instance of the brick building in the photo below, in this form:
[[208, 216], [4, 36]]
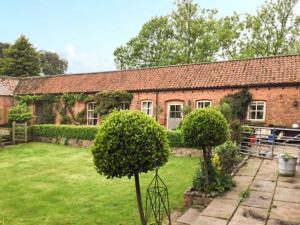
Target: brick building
[[273, 82]]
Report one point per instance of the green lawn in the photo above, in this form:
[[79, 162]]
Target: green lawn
[[53, 184]]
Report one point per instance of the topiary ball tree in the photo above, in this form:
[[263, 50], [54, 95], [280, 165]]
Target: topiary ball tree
[[129, 143], [204, 129]]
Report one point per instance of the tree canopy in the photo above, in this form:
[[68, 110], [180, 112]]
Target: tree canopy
[[21, 59], [52, 64], [191, 34]]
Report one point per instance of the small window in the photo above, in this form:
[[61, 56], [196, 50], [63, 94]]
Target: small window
[[147, 107], [257, 111], [125, 106], [92, 116], [203, 104], [175, 111]]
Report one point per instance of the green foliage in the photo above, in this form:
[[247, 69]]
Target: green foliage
[[286, 156], [236, 131], [239, 103], [205, 128], [245, 194], [191, 34], [217, 181], [226, 110], [129, 143], [184, 36], [63, 131], [52, 64], [20, 113], [29, 99], [20, 59], [3, 46], [229, 157], [111, 100], [273, 30], [175, 138]]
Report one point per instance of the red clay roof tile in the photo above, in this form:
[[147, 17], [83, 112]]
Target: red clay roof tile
[[248, 72]]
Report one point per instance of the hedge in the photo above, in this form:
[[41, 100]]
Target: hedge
[[63, 131], [175, 137]]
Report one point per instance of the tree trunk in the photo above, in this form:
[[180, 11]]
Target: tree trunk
[[205, 165], [139, 198]]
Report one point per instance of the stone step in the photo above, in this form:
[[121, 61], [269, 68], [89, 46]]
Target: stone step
[[189, 216]]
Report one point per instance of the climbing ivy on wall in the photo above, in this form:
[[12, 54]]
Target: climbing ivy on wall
[[62, 103], [108, 101], [239, 103]]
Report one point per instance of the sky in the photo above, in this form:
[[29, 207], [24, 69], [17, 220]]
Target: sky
[[86, 32]]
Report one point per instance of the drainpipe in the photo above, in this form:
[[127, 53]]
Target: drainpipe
[[156, 113]]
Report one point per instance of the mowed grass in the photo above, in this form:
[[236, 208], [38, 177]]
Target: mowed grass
[[53, 184]]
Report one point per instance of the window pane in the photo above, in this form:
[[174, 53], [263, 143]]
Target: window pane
[[253, 106], [260, 107], [259, 115], [252, 115], [172, 108]]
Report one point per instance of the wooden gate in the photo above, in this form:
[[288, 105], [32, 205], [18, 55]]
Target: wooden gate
[[19, 132]]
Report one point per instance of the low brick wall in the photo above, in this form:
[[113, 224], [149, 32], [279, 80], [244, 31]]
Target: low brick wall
[[197, 199], [64, 141], [87, 143], [186, 152]]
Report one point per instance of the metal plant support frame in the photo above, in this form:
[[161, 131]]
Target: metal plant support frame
[[157, 200]]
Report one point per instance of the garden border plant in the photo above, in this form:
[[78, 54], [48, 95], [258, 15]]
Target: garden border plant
[[129, 143], [204, 129]]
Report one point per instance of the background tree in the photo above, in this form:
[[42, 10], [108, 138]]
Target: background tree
[[2, 47], [204, 129], [194, 32], [274, 30], [20, 59], [185, 36], [129, 143], [153, 46], [51, 63]]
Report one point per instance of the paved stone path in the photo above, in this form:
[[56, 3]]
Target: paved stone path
[[273, 200]]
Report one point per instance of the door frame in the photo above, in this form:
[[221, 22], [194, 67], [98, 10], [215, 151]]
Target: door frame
[[168, 110]]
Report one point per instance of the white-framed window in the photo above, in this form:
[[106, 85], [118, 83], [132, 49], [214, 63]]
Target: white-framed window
[[203, 104], [257, 111], [125, 106], [175, 111], [147, 107], [92, 116]]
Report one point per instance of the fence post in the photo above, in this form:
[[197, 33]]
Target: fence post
[[14, 132], [25, 132]]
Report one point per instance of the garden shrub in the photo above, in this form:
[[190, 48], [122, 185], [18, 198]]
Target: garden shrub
[[64, 131], [218, 182], [236, 131], [204, 129], [128, 143], [175, 138], [20, 113], [229, 155]]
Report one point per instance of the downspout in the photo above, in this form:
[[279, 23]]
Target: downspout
[[157, 107]]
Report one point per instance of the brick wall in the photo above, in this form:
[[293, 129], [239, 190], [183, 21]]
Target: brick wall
[[6, 102], [280, 109]]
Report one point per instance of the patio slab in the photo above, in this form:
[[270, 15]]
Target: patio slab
[[263, 185], [221, 208], [189, 216], [285, 211], [280, 222], [250, 168], [289, 182], [249, 216], [205, 220], [258, 199], [287, 195], [268, 170], [242, 184]]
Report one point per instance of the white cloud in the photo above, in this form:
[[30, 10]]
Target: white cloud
[[81, 61]]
